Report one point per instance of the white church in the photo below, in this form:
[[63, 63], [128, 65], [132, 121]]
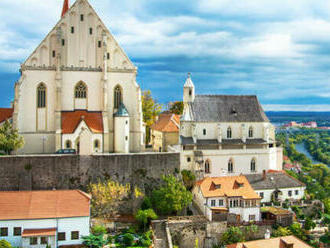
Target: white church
[[78, 90], [226, 135]]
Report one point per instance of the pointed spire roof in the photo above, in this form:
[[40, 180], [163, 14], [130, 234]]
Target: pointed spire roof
[[122, 111], [189, 83], [65, 7]]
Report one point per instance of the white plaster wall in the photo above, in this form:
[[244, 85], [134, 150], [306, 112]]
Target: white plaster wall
[[265, 160], [246, 212], [122, 134], [285, 194], [66, 225]]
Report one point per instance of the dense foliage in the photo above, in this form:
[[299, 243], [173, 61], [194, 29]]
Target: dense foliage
[[107, 197], [144, 217], [176, 107], [10, 140], [5, 244], [171, 197]]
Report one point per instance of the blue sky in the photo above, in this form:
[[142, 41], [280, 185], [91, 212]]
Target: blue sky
[[279, 50]]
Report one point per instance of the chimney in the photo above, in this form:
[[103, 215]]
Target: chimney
[[264, 175]]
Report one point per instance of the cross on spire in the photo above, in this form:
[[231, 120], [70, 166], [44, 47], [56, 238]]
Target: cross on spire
[[65, 7]]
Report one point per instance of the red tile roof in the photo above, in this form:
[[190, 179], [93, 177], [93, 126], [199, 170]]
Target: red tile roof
[[39, 232], [21, 205], [71, 120], [167, 122], [5, 114], [230, 186]]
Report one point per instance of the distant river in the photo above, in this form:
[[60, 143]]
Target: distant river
[[301, 148]]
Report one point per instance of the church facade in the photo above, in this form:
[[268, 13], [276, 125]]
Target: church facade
[[224, 135], [78, 90]]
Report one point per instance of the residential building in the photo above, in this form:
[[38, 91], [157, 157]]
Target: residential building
[[276, 186], [78, 76], [39, 218], [219, 197], [6, 114], [226, 135], [165, 132], [280, 242]]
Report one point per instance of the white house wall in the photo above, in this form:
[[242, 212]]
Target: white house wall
[[267, 194], [66, 225]]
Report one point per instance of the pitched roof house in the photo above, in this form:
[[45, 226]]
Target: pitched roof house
[[55, 218], [165, 131], [219, 196]]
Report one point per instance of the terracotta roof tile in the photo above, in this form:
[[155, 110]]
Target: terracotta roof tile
[[273, 243], [167, 123], [71, 120], [43, 204], [5, 114], [39, 232], [230, 186]]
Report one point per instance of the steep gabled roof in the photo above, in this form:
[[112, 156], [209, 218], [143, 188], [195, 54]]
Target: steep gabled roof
[[21, 205], [71, 120], [227, 108], [231, 186], [167, 122]]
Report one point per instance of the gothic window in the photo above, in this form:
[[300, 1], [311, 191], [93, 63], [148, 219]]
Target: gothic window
[[41, 96], [96, 144], [81, 90], [68, 144], [251, 132], [230, 166], [229, 133], [117, 97], [253, 165], [207, 166]]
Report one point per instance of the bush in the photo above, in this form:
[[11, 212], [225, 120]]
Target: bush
[[128, 239], [93, 241], [146, 204], [144, 217], [99, 230], [5, 244], [188, 179]]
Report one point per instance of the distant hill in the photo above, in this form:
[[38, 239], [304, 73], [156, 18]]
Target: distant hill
[[322, 118]]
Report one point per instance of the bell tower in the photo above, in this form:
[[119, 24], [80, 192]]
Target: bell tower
[[188, 90]]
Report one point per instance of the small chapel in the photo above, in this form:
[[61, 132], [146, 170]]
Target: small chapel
[[78, 90]]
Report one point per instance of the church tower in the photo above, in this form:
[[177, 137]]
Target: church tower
[[188, 90]]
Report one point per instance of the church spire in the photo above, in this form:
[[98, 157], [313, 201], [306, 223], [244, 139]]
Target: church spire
[[65, 7]]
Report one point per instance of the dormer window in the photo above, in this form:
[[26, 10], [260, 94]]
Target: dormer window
[[217, 186], [233, 111]]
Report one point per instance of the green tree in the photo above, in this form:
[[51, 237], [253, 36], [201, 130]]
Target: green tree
[[188, 178], [93, 241], [144, 217], [10, 140], [150, 109], [309, 224], [232, 235], [171, 197], [176, 107], [5, 244]]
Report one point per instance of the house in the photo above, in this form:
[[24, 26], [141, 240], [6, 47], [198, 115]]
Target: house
[[281, 216], [221, 197], [226, 135], [280, 242], [6, 114], [55, 218], [165, 131], [78, 72], [276, 186]]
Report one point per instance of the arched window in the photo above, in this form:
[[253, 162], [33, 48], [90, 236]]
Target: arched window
[[96, 144], [80, 90], [68, 144], [41, 96], [251, 132], [229, 133], [207, 166], [230, 166], [117, 97], [253, 165]]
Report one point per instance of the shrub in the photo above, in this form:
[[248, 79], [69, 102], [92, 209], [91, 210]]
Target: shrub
[[146, 204], [144, 217], [188, 179], [99, 230], [5, 244], [128, 239]]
